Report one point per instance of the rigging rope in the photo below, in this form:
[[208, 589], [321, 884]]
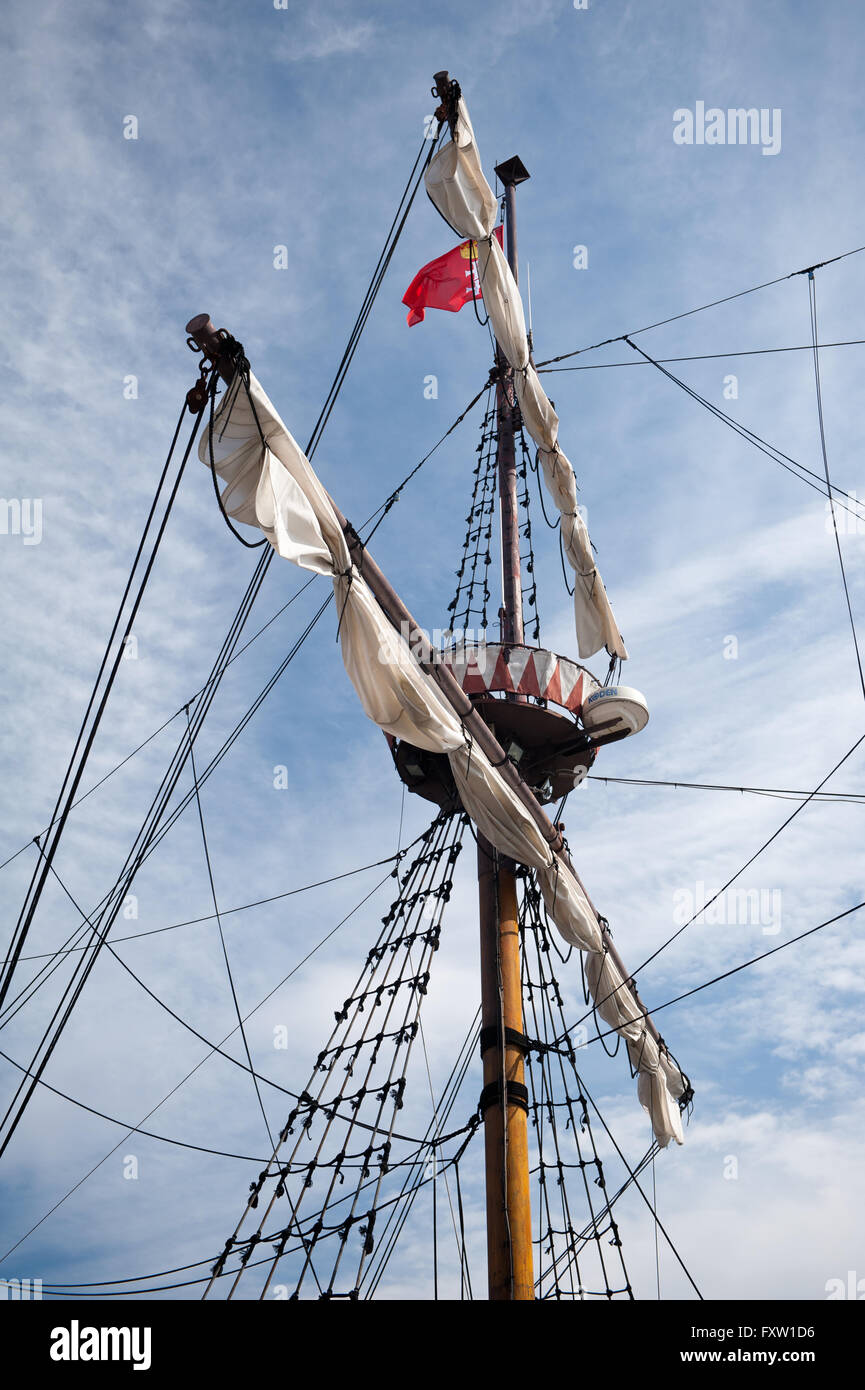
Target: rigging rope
[[394, 496], [754, 856], [633, 1177], [730, 881], [674, 318], [90, 726], [387, 973], [413, 1181], [171, 718], [229, 644], [479, 529], [552, 1093], [812, 304], [214, 1048], [235, 1001], [771, 451], [810, 797], [702, 356], [227, 911], [743, 965], [529, 592], [152, 831], [783, 793], [241, 367], [384, 508], [406, 200]]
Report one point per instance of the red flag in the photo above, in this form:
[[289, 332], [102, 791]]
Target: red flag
[[446, 283]]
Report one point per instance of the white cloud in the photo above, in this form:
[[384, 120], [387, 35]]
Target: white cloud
[[322, 38]]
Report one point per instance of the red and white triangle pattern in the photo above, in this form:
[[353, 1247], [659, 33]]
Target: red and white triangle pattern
[[521, 671]]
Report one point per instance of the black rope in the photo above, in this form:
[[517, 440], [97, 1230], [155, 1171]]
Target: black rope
[[529, 591], [702, 356], [463, 1252], [214, 1049], [474, 253], [404, 207], [153, 830], [478, 539], [135, 1129], [386, 977], [755, 960], [235, 1000], [80, 976], [394, 496], [227, 911], [754, 856], [558, 1096], [160, 802], [765, 845], [674, 318], [86, 736], [412, 1183], [812, 304], [780, 793], [633, 1176], [763, 446]]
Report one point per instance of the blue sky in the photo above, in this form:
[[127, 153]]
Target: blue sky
[[259, 128]]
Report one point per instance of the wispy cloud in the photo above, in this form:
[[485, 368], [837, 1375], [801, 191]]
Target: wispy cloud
[[321, 38]]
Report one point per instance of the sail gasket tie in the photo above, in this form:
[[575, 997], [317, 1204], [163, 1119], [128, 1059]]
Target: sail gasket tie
[[348, 575], [491, 1036], [515, 1094]]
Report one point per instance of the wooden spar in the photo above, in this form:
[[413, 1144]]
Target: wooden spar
[[202, 331]]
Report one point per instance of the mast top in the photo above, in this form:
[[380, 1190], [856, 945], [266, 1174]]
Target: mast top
[[512, 171], [447, 89]]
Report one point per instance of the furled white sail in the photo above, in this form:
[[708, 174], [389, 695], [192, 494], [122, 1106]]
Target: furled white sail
[[270, 483], [462, 194], [456, 184]]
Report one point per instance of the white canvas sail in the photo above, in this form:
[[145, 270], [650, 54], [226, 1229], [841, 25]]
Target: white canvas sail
[[456, 184]]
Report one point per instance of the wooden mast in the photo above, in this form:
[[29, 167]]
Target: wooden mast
[[504, 1100]]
